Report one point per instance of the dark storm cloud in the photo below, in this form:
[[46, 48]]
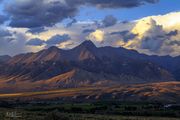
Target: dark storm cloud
[[37, 30], [3, 19], [172, 33], [71, 23], [115, 3], [40, 13], [54, 40], [35, 42], [88, 31], [57, 39], [125, 35], [175, 42], [98, 24], [153, 44], [109, 21], [125, 22]]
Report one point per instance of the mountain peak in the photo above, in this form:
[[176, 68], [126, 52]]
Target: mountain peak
[[88, 44]]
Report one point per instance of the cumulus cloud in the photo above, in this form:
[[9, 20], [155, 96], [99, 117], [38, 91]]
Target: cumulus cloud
[[88, 31], [150, 36], [40, 17], [154, 35], [40, 13], [125, 35], [117, 3], [152, 44], [37, 30], [71, 23], [172, 33], [97, 36], [153, 38], [12, 44], [175, 42], [57, 39], [109, 21], [35, 42]]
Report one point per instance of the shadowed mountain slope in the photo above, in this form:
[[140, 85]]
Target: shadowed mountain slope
[[84, 65]]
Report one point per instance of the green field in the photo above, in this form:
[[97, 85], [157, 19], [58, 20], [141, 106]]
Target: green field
[[111, 110], [67, 116]]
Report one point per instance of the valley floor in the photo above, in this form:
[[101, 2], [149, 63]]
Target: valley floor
[[163, 91], [65, 116], [155, 101], [102, 110]]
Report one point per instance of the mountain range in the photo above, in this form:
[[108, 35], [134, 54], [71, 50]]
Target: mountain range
[[83, 66]]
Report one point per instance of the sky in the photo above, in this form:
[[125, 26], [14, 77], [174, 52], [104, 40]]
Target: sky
[[148, 26], [160, 8]]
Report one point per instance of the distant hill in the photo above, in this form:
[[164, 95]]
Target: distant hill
[[4, 58]]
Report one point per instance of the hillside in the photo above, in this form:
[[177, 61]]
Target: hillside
[[84, 65], [164, 92]]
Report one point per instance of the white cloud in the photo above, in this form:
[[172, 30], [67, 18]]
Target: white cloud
[[97, 36], [153, 37]]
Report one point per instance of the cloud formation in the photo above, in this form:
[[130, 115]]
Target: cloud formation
[[12, 44], [39, 13], [145, 35], [35, 42], [88, 31], [43, 13], [97, 36], [109, 21], [155, 35], [116, 3], [125, 35], [39, 19], [151, 35], [71, 23], [175, 42], [37, 30], [52, 41], [57, 39], [172, 33]]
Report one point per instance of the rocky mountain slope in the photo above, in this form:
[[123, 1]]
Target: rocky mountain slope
[[84, 65]]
